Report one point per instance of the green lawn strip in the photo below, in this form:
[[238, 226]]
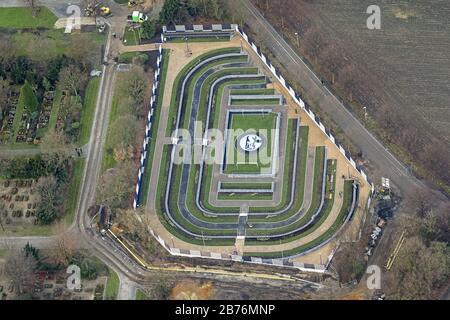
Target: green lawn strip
[[22, 18], [245, 196], [348, 191], [127, 57], [112, 286], [251, 122], [287, 177], [246, 185], [252, 91], [199, 39], [176, 87], [154, 131], [160, 208], [74, 190], [315, 202], [55, 110], [255, 102], [129, 37], [87, 114], [56, 43], [194, 78], [141, 295], [176, 214]]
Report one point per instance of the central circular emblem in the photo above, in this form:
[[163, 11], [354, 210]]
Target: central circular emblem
[[250, 142]]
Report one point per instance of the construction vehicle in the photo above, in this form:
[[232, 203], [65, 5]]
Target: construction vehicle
[[97, 10], [137, 17], [133, 3]]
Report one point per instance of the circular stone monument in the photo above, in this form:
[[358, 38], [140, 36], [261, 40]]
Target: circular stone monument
[[250, 142]]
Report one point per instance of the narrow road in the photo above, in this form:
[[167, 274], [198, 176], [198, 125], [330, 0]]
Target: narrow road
[[382, 160]]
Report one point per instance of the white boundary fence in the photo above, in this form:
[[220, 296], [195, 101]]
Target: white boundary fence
[[306, 267], [148, 129], [302, 104]]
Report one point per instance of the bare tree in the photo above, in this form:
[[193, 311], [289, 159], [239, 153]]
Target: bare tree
[[64, 245], [33, 4], [115, 185], [55, 143], [72, 78], [3, 214], [19, 268]]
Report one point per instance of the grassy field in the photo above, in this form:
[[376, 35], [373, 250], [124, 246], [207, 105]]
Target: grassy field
[[112, 286], [141, 295], [260, 91], [250, 122], [245, 185], [74, 190], [22, 18], [130, 37], [255, 102], [87, 116]]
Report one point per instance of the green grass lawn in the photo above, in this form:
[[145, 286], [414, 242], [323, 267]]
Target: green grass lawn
[[245, 185], [22, 18], [255, 91], [250, 123], [112, 286], [255, 102], [74, 190], [141, 295], [87, 115], [130, 36], [245, 196]]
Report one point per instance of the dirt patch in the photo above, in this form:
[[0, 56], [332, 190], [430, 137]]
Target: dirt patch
[[190, 290]]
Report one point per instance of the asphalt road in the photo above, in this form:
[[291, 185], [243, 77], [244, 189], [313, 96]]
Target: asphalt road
[[383, 162]]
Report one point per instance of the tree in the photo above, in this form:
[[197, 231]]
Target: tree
[[34, 6], [50, 200], [136, 87], [72, 78], [3, 214], [419, 270], [64, 245], [170, 11], [20, 269], [54, 142], [124, 134], [81, 50], [5, 91], [148, 29], [116, 185]]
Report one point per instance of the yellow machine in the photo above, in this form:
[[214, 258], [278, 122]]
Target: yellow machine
[[104, 11]]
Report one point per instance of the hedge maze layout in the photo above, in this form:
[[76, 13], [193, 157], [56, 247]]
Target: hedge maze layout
[[239, 171]]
